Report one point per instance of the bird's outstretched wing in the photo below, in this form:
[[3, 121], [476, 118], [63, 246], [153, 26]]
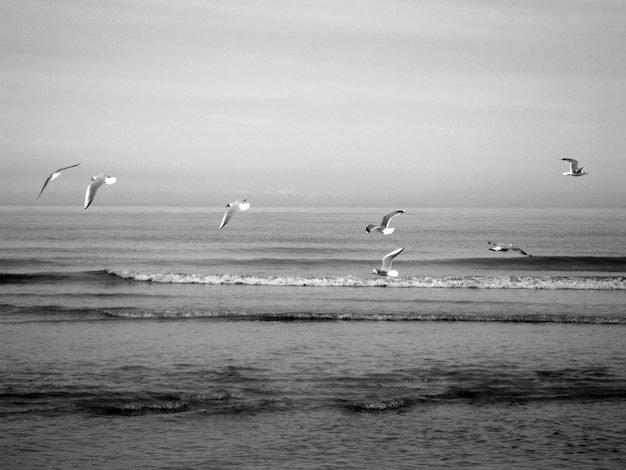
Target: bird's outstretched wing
[[573, 164], [387, 218], [54, 175], [231, 208], [520, 251], [227, 215], [388, 259], [96, 182]]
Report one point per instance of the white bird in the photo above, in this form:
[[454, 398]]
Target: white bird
[[54, 175], [385, 269], [502, 247], [96, 182], [574, 169], [384, 225], [232, 208]]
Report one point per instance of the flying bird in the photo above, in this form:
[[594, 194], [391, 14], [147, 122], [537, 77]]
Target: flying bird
[[385, 269], [54, 175], [96, 182], [232, 208], [502, 247], [384, 225], [574, 169]]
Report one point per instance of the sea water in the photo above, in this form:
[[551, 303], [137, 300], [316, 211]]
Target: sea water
[[146, 338]]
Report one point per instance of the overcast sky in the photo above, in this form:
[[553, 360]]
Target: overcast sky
[[361, 102]]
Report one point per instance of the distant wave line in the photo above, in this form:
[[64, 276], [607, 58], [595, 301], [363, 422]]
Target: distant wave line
[[52, 313], [364, 317]]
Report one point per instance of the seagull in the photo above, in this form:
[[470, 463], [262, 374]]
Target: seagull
[[232, 207], [54, 175], [96, 182], [384, 225], [503, 247], [385, 269], [574, 170]]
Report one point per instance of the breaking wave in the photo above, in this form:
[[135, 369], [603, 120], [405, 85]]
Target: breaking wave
[[448, 282]]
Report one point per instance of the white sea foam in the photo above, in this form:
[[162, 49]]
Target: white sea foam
[[133, 313], [447, 282]]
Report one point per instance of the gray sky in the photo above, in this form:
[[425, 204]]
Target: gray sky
[[321, 102]]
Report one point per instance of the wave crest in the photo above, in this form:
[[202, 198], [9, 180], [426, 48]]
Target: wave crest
[[447, 282]]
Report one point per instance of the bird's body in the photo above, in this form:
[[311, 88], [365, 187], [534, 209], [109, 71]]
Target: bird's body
[[385, 269], [231, 208], [54, 175], [384, 225], [96, 182], [506, 247], [574, 169]]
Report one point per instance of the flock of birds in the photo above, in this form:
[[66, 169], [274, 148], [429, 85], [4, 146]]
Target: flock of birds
[[95, 184], [385, 269]]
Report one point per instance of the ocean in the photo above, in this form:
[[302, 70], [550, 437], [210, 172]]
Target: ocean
[[143, 337]]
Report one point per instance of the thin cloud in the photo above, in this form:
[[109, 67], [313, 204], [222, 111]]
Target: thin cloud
[[283, 192], [241, 120], [333, 194]]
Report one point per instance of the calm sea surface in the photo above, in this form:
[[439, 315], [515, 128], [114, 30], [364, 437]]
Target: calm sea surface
[[146, 338]]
